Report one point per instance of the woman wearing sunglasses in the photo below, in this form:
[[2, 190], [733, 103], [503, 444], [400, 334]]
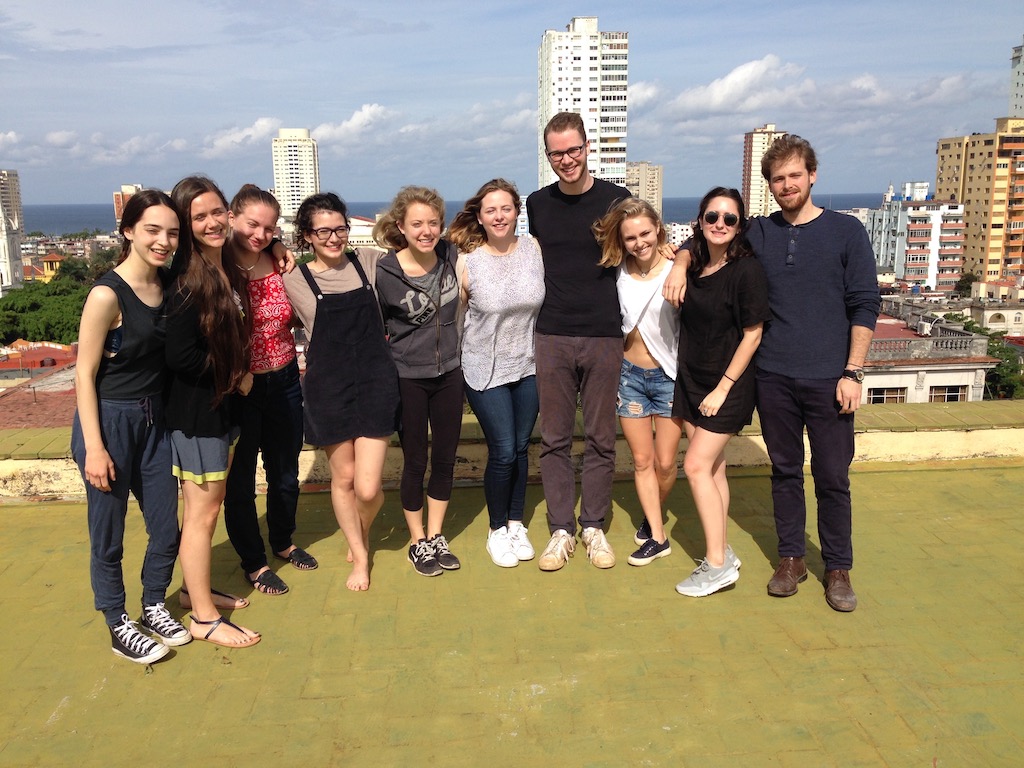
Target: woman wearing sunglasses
[[721, 320]]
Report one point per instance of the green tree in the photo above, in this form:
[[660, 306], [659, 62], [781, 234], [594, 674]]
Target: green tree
[[43, 311], [963, 285], [73, 268], [103, 262], [1005, 380]]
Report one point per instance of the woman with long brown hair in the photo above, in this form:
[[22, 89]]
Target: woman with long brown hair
[[502, 288], [207, 354], [270, 416], [118, 438]]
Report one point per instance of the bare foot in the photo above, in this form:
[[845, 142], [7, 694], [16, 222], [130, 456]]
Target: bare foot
[[348, 557], [220, 631], [359, 579]]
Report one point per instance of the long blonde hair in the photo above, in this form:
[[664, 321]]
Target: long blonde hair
[[386, 232], [606, 230]]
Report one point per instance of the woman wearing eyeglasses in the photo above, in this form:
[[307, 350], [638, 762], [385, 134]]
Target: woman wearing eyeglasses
[[350, 387], [721, 320]]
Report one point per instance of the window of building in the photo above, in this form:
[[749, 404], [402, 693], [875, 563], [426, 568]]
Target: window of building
[[878, 395], [948, 394]]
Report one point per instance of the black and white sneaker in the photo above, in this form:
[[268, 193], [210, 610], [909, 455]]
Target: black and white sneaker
[[421, 555], [128, 642], [158, 621], [643, 533], [444, 557]]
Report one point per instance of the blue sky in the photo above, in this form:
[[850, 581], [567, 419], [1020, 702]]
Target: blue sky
[[443, 93]]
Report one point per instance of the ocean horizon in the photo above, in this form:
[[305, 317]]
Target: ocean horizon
[[55, 220]]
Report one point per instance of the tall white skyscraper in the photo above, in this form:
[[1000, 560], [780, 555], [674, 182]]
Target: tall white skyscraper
[[11, 227], [755, 191], [586, 71], [296, 171], [1017, 82]]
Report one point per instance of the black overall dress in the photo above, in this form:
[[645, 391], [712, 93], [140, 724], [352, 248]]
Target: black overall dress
[[350, 388]]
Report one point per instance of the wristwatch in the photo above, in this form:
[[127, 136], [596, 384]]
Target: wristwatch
[[854, 374]]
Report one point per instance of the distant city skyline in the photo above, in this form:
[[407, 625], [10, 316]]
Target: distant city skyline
[[445, 95]]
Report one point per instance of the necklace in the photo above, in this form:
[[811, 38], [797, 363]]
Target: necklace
[[646, 272], [251, 268]]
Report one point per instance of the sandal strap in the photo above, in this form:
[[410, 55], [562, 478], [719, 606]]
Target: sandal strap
[[268, 580], [212, 624], [301, 559]]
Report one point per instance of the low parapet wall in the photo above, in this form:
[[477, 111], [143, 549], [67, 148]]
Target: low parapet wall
[[36, 464]]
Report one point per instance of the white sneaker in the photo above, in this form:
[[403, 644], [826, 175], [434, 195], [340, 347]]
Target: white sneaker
[[520, 542], [499, 547], [598, 549], [558, 551]]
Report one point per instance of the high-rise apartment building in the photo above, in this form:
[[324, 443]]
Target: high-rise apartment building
[[1017, 82], [585, 70], [644, 180], [296, 171], [985, 172], [12, 224], [121, 198], [755, 191]]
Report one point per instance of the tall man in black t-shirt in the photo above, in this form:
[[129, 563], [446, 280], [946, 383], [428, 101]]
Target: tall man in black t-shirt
[[578, 344]]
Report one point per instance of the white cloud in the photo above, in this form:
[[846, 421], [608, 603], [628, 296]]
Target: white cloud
[[364, 119], [8, 139], [62, 139], [642, 94], [766, 82], [232, 140]]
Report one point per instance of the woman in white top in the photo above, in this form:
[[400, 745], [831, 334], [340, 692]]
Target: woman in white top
[[502, 288], [633, 238]]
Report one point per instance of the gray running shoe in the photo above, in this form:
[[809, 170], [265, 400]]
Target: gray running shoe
[[706, 580]]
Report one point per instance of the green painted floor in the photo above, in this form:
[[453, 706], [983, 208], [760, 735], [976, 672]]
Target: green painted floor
[[493, 667]]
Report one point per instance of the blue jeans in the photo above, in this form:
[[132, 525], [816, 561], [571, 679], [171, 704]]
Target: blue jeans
[[785, 407], [271, 421], [644, 392], [135, 438], [507, 415]]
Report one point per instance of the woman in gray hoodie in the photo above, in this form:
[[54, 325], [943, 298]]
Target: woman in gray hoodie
[[419, 299]]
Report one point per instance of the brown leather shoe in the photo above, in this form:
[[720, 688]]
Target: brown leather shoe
[[790, 572], [839, 592]]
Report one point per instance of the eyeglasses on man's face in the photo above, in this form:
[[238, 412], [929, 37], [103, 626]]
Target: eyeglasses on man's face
[[573, 152]]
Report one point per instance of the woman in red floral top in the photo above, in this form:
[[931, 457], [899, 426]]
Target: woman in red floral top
[[271, 414]]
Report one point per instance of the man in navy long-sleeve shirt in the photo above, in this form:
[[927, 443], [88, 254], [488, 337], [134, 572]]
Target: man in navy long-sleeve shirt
[[824, 299]]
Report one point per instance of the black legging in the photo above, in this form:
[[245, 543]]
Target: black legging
[[439, 402]]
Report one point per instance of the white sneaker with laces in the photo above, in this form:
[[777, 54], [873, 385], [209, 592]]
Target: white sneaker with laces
[[520, 541], [157, 620], [499, 547], [129, 643], [556, 554], [598, 549]]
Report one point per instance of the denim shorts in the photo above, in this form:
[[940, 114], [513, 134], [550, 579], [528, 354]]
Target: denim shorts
[[644, 392]]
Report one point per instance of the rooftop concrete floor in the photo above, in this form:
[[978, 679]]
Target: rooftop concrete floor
[[487, 666]]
